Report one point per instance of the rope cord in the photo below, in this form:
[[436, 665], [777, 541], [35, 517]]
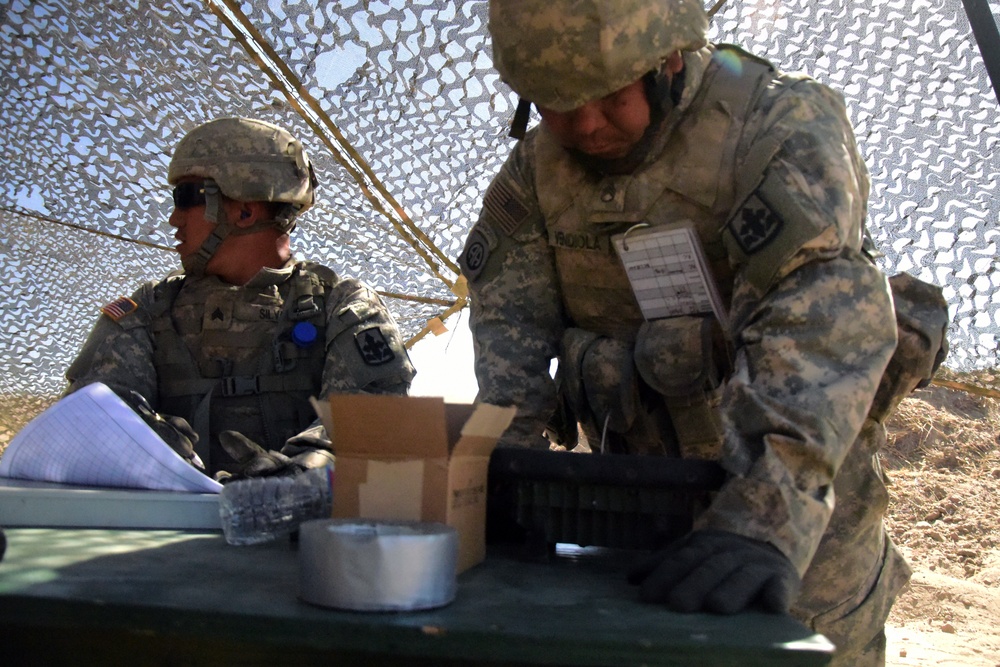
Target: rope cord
[[285, 80]]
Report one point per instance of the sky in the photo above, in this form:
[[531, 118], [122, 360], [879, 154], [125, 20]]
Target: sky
[[444, 363]]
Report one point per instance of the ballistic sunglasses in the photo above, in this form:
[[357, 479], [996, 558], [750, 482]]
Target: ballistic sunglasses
[[189, 195]]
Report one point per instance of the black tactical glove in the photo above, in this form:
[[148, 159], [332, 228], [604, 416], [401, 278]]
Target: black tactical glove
[[718, 572], [311, 448], [255, 461], [175, 431]]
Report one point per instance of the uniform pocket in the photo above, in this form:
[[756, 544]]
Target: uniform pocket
[[853, 624]]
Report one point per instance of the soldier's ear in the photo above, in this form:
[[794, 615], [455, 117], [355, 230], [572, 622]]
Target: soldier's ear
[[247, 214]]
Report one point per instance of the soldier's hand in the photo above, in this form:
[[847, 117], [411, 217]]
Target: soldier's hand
[[253, 460], [718, 572], [175, 431], [310, 449]]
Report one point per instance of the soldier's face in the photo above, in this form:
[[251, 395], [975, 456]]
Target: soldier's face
[[606, 128], [192, 227]]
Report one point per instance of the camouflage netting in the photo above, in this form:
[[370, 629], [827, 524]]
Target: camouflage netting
[[399, 106]]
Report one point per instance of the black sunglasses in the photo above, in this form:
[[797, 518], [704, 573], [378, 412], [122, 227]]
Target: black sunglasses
[[189, 195]]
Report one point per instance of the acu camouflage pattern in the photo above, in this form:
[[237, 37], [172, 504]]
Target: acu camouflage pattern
[[561, 54], [242, 328], [250, 160], [811, 334]]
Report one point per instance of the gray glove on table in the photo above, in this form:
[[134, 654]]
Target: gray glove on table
[[175, 431], [255, 461], [718, 572]]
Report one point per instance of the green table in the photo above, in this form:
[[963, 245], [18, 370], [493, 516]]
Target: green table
[[172, 597]]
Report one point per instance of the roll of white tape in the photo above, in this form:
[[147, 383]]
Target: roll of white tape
[[364, 565]]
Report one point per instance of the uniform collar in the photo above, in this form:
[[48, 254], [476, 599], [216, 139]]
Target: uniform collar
[[268, 276], [695, 64]]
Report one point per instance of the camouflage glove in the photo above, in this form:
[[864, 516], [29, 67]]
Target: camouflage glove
[[718, 572], [255, 461], [175, 431]]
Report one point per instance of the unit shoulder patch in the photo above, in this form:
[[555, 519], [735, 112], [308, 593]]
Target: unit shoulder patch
[[373, 346], [119, 308], [476, 252], [755, 225]]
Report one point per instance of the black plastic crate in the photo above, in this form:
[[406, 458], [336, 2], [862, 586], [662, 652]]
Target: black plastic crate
[[541, 498]]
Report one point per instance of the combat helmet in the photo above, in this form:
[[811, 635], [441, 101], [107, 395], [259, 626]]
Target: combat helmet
[[561, 54], [245, 160]]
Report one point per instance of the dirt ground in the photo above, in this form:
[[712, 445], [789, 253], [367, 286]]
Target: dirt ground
[[943, 460]]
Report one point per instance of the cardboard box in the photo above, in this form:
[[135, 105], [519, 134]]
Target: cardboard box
[[415, 458]]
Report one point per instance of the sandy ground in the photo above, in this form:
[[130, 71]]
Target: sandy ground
[[944, 463]]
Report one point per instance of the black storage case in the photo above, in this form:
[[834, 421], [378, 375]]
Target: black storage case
[[541, 498]]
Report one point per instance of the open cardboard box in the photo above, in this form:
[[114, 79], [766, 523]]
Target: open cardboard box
[[414, 458]]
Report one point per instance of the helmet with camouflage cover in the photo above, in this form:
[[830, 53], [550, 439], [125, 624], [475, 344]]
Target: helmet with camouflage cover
[[561, 54], [249, 160]]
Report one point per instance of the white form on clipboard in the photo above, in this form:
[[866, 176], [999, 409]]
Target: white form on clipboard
[[668, 271]]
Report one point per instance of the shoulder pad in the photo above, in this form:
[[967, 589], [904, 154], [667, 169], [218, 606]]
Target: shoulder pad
[[724, 49], [148, 301], [157, 297], [325, 274]]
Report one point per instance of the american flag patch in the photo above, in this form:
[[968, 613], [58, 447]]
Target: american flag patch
[[119, 308], [508, 211]]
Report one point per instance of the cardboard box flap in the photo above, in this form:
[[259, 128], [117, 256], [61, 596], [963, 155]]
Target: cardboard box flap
[[415, 457], [371, 426], [483, 428]]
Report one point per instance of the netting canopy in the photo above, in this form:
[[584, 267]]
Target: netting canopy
[[406, 120]]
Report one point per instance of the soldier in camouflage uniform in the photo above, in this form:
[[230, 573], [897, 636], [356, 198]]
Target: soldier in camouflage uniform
[[645, 124], [222, 357]]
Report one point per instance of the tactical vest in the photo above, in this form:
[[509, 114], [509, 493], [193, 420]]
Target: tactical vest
[[692, 182], [264, 394], [695, 181]]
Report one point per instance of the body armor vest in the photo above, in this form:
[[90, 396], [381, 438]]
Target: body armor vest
[[261, 380], [692, 181]]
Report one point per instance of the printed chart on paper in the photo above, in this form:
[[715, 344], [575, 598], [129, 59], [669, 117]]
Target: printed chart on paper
[[668, 272]]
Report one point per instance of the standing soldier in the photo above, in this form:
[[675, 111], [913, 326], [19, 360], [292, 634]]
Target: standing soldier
[[648, 130], [222, 357]]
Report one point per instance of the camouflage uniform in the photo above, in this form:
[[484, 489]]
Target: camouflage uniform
[[245, 358], [772, 182], [197, 338]]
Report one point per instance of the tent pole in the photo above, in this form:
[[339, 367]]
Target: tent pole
[[984, 28]]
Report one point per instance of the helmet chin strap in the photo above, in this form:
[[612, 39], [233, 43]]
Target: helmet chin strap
[[194, 265]]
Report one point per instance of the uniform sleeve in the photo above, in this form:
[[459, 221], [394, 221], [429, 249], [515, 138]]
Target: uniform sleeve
[[364, 347], [516, 312], [119, 353], [813, 326]]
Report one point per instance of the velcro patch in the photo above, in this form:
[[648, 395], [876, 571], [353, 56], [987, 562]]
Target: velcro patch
[[755, 225], [504, 206], [119, 308], [476, 252], [373, 347]]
